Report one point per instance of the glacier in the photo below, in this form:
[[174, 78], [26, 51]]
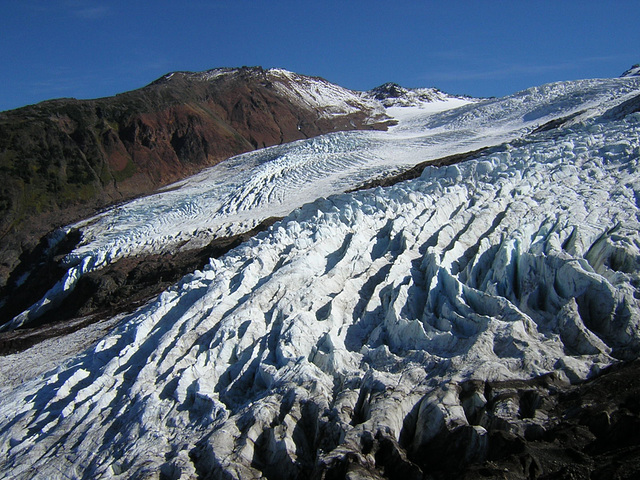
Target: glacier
[[358, 313], [240, 193]]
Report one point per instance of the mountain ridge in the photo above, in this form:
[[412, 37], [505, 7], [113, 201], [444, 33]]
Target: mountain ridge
[[63, 159], [336, 160], [634, 71]]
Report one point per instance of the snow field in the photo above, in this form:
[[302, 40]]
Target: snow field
[[327, 98]]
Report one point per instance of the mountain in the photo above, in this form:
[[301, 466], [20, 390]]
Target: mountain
[[393, 95], [240, 194], [331, 108], [633, 71], [455, 297], [61, 160]]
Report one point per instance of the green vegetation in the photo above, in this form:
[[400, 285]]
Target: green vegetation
[[125, 173]]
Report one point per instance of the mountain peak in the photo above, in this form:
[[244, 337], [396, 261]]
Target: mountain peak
[[393, 95], [634, 71], [207, 75], [388, 90]]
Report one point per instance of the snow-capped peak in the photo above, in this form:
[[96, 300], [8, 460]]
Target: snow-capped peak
[[393, 95], [634, 71], [325, 97], [206, 75], [315, 93]]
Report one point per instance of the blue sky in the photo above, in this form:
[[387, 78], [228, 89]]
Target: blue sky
[[89, 49]]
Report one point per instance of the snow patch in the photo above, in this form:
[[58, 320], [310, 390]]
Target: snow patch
[[634, 71]]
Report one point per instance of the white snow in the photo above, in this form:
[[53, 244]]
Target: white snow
[[326, 98], [205, 76], [404, 113], [356, 308]]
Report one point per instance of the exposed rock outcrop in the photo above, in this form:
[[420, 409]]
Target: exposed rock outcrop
[[394, 95]]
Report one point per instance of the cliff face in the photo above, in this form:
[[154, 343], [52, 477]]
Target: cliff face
[[62, 159]]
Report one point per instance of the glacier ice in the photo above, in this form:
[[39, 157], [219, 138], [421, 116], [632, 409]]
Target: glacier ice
[[361, 312]]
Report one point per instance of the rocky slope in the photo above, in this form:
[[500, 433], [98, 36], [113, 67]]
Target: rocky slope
[[62, 159]]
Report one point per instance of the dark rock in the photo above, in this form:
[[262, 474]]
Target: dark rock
[[117, 288], [589, 430], [388, 90], [558, 431], [393, 461]]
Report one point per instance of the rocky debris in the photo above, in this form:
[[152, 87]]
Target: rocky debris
[[119, 287], [544, 428]]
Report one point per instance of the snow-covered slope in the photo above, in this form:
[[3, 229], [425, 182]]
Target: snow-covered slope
[[358, 312], [394, 95], [326, 98]]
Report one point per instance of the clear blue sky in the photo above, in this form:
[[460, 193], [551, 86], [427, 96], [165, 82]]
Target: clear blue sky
[[90, 48]]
